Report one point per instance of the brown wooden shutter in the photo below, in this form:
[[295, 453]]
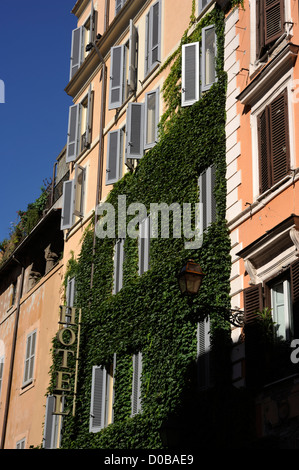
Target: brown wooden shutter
[[278, 114], [273, 19], [260, 29], [295, 281], [264, 150], [253, 302]]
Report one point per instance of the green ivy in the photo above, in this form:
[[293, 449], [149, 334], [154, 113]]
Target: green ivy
[[149, 313]]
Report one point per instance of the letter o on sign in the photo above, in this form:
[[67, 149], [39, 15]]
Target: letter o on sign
[[60, 336]]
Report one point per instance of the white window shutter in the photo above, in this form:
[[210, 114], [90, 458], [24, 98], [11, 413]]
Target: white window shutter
[[133, 41], [208, 57], [93, 18], [118, 266], [88, 118], [73, 133], [207, 200], [76, 50], [68, 202], [190, 74], [49, 422], [29, 358], [134, 130], [203, 353], [116, 77], [113, 157], [136, 383], [1, 371], [98, 399], [144, 245]]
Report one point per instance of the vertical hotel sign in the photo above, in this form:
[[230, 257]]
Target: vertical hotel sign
[[68, 337]]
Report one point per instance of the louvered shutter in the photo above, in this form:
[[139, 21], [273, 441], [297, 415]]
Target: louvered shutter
[[273, 19], [29, 358], [1, 372], [153, 37], [264, 150], [113, 156], [68, 203], [278, 111], [132, 79], [295, 282], [155, 33], [93, 24], [116, 77], [49, 422], [144, 246], [118, 266], [260, 30], [98, 399], [203, 352], [134, 130], [73, 133], [207, 209], [136, 383], [190, 73], [88, 118], [253, 302], [70, 292], [76, 50]]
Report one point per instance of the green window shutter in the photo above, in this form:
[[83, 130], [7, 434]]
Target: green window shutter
[[68, 203], [113, 157], [190, 74], [134, 130], [116, 77], [98, 399], [136, 383], [76, 50], [72, 148]]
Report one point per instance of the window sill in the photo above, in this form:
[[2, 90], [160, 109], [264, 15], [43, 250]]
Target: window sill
[[276, 186], [26, 387]]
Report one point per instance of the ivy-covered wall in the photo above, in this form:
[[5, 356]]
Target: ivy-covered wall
[[149, 314]]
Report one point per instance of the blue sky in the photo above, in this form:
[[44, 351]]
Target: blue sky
[[35, 45]]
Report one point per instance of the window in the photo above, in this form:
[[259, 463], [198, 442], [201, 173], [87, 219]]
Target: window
[[21, 444], [70, 298], [144, 246], [281, 295], [273, 140], [151, 118], [153, 38], [203, 353], [208, 57], [102, 397], [123, 70], [115, 155], [207, 211], [13, 293], [118, 5], [79, 127], [73, 198], [29, 358], [202, 4], [198, 72], [118, 266], [136, 383], [80, 38], [142, 125], [270, 23], [1, 371], [190, 73], [53, 425]]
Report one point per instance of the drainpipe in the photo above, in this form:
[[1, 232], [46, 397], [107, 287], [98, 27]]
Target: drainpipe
[[101, 138], [12, 356]]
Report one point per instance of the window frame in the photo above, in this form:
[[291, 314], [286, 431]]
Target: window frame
[[207, 86], [155, 92]]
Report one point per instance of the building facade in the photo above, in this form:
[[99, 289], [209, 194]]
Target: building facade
[[181, 145]]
